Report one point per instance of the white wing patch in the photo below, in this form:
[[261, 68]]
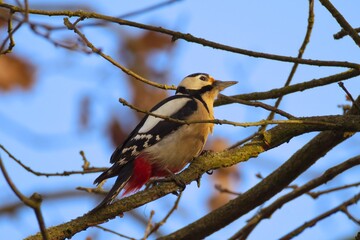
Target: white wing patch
[[144, 136], [132, 148], [167, 109]]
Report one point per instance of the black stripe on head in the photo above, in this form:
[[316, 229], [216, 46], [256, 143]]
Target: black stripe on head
[[196, 74], [196, 93], [192, 92]]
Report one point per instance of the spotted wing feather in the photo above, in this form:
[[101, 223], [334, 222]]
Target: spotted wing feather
[[123, 157]]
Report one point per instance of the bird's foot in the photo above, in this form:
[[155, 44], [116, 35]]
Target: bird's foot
[[171, 178]]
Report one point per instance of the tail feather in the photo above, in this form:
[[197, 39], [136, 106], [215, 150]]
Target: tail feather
[[121, 181]]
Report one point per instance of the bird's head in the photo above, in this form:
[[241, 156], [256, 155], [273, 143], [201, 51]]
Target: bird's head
[[198, 84]]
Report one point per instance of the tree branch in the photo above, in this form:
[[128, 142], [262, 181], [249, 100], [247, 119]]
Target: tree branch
[[312, 222], [326, 122], [33, 202], [271, 139], [342, 21], [267, 188], [311, 19], [187, 37], [73, 27], [65, 173], [269, 210], [277, 92]]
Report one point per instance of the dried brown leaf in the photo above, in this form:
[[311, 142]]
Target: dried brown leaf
[[15, 72]]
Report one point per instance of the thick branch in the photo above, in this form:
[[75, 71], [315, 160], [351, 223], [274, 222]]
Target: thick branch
[[269, 210], [272, 138], [267, 188]]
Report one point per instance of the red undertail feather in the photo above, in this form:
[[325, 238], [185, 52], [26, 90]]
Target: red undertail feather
[[142, 172]]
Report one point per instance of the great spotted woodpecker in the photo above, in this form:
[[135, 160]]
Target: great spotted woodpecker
[[159, 148]]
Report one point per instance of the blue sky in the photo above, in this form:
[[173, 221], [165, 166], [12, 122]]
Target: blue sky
[[40, 125]]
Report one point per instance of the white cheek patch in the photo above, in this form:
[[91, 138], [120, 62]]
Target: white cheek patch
[[167, 109]]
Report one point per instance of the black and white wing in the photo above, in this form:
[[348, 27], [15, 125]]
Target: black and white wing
[[152, 129], [148, 132]]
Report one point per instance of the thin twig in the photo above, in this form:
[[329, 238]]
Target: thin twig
[[187, 37], [86, 164], [96, 190], [10, 36], [163, 221], [227, 122], [299, 87], [318, 193], [225, 190], [241, 142], [342, 33], [351, 217], [148, 225], [341, 20], [10, 208], [101, 22], [311, 20], [113, 232], [98, 51], [315, 220], [267, 212], [65, 173], [258, 104], [341, 84], [33, 202]]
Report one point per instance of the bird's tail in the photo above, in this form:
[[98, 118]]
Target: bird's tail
[[120, 182]]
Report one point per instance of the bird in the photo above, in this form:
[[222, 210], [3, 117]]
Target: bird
[[159, 147]]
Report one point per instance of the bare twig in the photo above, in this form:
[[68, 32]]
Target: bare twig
[[86, 164], [96, 190], [65, 173], [342, 33], [311, 19], [313, 221], [299, 87], [14, 206], [10, 36], [351, 217], [163, 221], [341, 84], [298, 191], [225, 190], [113, 232], [258, 104], [187, 37], [341, 20], [33, 202], [98, 51], [318, 193], [227, 122], [241, 142], [149, 225]]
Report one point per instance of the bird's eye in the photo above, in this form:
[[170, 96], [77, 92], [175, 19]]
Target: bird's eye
[[203, 78]]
